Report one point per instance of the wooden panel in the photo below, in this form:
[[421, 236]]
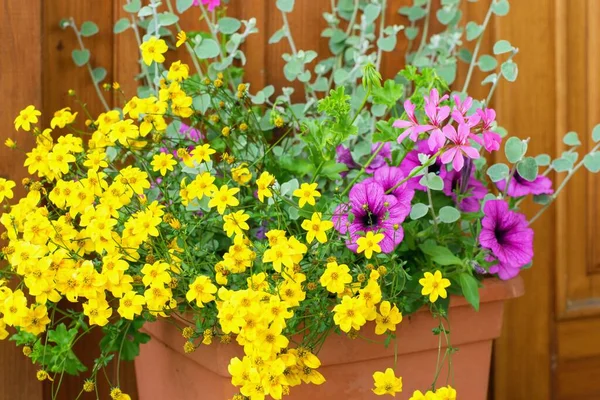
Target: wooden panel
[[522, 357], [578, 282], [20, 79], [578, 338], [578, 379]]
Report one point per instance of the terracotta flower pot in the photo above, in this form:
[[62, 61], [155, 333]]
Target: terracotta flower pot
[[164, 371]]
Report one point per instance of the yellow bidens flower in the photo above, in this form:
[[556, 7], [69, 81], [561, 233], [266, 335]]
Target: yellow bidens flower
[[434, 285], [62, 118], [6, 189], [89, 386], [178, 71], [235, 223], [429, 395], [388, 318], [163, 162], [202, 290], [181, 38], [350, 314], [224, 197], [316, 228], [387, 383], [11, 144], [241, 174], [307, 193], [202, 154], [27, 116], [130, 305], [446, 393], [335, 277], [369, 244], [263, 183], [153, 50]]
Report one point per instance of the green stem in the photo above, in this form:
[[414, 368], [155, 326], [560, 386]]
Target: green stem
[[362, 105], [425, 31], [187, 46], [477, 46], [362, 170]]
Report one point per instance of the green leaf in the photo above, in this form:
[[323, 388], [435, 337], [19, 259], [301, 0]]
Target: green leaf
[[207, 48], [80, 57], [439, 254], [510, 70], [167, 19], [387, 43], [277, 36], [498, 172], [465, 55], [133, 6], [491, 78], [388, 94], [543, 160], [502, 46], [411, 32], [449, 214], [542, 199], [432, 181], [340, 75], [418, 210], [88, 28], [372, 12], [487, 63], [470, 289], [592, 162], [473, 30], [571, 139], [229, 25], [122, 25], [562, 164], [286, 6], [183, 5], [289, 187], [445, 14], [596, 133], [501, 7], [528, 169], [332, 169], [99, 74], [385, 132], [515, 149]]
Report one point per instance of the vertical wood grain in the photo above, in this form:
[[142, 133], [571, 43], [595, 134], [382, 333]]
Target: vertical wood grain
[[20, 81]]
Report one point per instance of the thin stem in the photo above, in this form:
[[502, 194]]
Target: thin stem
[[497, 80], [381, 29], [425, 31], [138, 39], [362, 105], [430, 199], [288, 33], [477, 46], [353, 17], [187, 46], [89, 67]]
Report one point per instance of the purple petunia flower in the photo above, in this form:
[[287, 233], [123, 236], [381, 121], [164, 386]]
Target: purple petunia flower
[[380, 159], [191, 133], [508, 236], [472, 195], [388, 177], [411, 161], [344, 156], [518, 186], [372, 210]]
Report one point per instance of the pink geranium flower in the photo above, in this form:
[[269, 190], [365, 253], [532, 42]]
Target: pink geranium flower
[[212, 4], [437, 115], [491, 140], [460, 146], [411, 127]]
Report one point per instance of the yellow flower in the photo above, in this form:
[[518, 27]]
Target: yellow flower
[[130, 305], [316, 228], [224, 197], [62, 117], [235, 223], [163, 162], [263, 183], [156, 274], [98, 311], [27, 116], [153, 50], [11, 144], [181, 38], [6, 189], [418, 395], [202, 153], [241, 174], [369, 244], [446, 393], [335, 277], [202, 290], [307, 193], [349, 314], [388, 318], [178, 71], [434, 285], [387, 383], [202, 186]]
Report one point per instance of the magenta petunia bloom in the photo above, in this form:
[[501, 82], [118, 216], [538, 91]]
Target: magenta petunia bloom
[[380, 159], [411, 127], [460, 146], [411, 161], [212, 4], [372, 210], [471, 195], [388, 177], [344, 156], [518, 186], [508, 236], [191, 133]]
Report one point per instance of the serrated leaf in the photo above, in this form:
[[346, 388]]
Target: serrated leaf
[[133, 6], [515, 149], [99, 74], [183, 5], [502, 46], [88, 28], [510, 70], [448, 214], [286, 6], [571, 139], [498, 172], [473, 30], [207, 48], [592, 162], [470, 289], [528, 169], [487, 63], [80, 57], [418, 210], [122, 25]]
